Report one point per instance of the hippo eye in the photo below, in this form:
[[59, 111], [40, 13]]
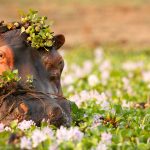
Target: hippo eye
[[61, 62], [2, 55]]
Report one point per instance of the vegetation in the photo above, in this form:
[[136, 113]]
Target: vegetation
[[39, 33], [110, 110]]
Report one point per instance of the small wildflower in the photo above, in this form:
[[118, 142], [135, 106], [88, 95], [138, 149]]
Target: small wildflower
[[132, 66], [38, 137], [53, 146], [1, 127], [48, 131], [97, 120], [7, 129], [73, 134], [146, 76], [99, 54], [106, 138], [101, 146], [25, 143], [93, 80], [24, 125], [62, 135], [68, 79], [125, 104]]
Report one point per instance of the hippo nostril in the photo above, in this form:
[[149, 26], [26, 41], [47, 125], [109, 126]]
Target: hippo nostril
[[55, 112]]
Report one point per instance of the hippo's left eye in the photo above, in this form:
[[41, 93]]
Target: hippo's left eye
[[61, 65], [2, 55], [61, 62]]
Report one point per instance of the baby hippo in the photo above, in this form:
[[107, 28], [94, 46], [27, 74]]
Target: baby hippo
[[44, 100]]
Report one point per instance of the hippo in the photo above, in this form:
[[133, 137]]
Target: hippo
[[54, 62], [45, 99]]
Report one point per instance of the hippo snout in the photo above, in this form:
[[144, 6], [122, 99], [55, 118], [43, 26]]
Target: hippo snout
[[37, 108], [58, 115]]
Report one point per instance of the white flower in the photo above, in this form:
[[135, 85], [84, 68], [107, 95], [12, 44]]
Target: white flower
[[131, 66], [98, 53], [7, 129], [48, 131], [1, 127], [127, 86], [24, 125], [87, 67], [105, 66], [105, 76], [38, 137], [70, 88], [84, 96], [62, 134], [25, 143], [125, 104], [101, 146], [146, 76], [78, 72], [100, 98], [105, 105], [97, 120], [68, 79], [53, 146], [102, 101], [106, 138], [73, 134], [93, 80], [76, 98]]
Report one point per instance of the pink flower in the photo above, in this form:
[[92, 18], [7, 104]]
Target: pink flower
[[106, 138], [1, 127]]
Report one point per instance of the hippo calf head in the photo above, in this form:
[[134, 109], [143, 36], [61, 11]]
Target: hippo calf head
[[45, 100], [53, 62]]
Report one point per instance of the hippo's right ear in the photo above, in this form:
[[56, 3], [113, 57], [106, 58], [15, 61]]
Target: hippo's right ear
[[59, 41]]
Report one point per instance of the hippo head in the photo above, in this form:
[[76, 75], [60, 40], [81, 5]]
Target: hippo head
[[53, 62], [45, 100]]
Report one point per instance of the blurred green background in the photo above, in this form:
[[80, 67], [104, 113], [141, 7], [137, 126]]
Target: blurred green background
[[90, 23]]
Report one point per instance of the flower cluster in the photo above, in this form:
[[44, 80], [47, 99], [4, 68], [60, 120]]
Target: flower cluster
[[84, 96]]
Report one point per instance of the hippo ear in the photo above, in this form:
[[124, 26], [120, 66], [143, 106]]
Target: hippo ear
[[3, 27], [59, 40]]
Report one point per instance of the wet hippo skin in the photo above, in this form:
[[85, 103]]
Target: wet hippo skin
[[45, 100]]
